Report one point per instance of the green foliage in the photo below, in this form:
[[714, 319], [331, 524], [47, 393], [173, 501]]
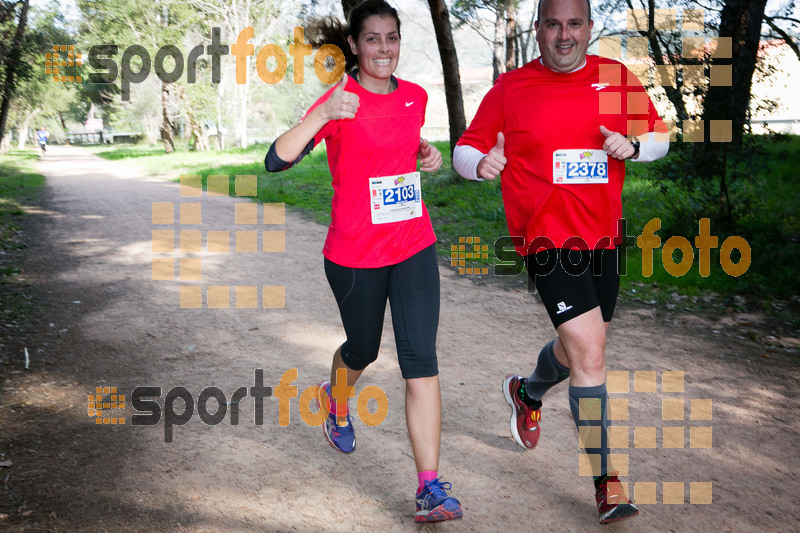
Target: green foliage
[[36, 95], [123, 23], [764, 196]]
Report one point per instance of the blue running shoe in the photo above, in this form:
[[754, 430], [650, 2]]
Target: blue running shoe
[[340, 437], [434, 505]]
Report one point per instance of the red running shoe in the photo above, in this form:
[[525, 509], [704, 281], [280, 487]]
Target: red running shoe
[[524, 419], [612, 504]]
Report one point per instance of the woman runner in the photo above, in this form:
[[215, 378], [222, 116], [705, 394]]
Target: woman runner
[[380, 243]]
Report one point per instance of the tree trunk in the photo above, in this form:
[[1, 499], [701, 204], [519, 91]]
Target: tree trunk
[[244, 90], [511, 36], [197, 140], [166, 125], [452, 77], [498, 65], [525, 43], [12, 62], [220, 87], [63, 126], [23, 130], [241, 124], [741, 21]]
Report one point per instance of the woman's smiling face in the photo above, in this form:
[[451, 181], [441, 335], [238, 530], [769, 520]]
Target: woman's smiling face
[[378, 51]]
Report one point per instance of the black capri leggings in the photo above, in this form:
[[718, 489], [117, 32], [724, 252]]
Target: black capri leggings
[[412, 288]]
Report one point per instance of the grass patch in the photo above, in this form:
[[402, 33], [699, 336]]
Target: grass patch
[[19, 186], [152, 160], [764, 195]]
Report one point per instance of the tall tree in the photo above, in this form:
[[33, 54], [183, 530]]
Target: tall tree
[[783, 34], [498, 64], [740, 21], [166, 123], [511, 36], [452, 78], [11, 66], [235, 16], [149, 24], [36, 95]]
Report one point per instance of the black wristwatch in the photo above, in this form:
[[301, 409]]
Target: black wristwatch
[[636, 145]]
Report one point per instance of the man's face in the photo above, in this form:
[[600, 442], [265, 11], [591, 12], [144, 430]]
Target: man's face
[[563, 32]]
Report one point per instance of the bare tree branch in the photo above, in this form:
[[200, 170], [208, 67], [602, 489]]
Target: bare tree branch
[[783, 35], [780, 17]]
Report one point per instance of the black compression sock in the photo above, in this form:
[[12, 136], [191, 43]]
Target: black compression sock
[[527, 400], [548, 373]]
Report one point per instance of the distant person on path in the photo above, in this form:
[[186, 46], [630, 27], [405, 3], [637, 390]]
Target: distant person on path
[[380, 243], [559, 130], [43, 137]]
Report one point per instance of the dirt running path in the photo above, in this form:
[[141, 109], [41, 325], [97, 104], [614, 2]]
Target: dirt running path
[[102, 321]]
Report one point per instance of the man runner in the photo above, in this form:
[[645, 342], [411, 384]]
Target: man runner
[[558, 131]]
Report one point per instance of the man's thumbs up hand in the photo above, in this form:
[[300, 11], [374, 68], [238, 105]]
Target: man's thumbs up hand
[[495, 161]]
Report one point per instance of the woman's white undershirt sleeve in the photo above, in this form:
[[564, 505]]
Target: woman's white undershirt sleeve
[[651, 149], [466, 159]]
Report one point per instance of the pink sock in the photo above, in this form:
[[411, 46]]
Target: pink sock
[[337, 409], [426, 475]]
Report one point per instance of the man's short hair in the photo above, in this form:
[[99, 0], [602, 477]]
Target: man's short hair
[[539, 9]]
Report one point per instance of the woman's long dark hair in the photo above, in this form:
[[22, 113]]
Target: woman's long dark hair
[[330, 30]]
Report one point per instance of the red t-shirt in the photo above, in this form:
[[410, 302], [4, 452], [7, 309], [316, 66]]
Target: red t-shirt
[[541, 112], [383, 140]]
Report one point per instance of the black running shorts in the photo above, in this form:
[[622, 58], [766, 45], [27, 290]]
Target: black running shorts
[[572, 282], [412, 288]]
